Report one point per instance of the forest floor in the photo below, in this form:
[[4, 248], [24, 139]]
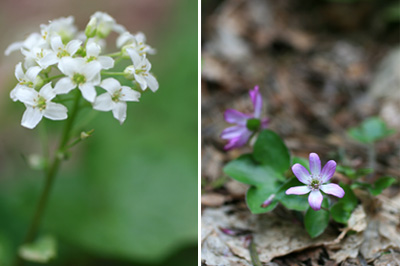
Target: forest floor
[[322, 68]]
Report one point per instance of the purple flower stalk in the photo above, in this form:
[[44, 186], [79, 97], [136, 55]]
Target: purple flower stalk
[[315, 181], [246, 124]]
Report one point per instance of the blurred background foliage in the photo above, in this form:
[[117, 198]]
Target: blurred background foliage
[[128, 194]]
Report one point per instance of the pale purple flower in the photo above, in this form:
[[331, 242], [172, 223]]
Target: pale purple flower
[[315, 181], [246, 124]]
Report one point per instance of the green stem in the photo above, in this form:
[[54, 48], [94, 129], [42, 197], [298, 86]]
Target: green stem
[[113, 73], [371, 158], [54, 77], [50, 176], [114, 54], [253, 253]]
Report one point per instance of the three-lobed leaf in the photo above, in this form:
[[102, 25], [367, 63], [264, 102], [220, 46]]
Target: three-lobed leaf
[[371, 130]]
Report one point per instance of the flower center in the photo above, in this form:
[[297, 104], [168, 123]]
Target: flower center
[[91, 58], [315, 184], [115, 97], [40, 103], [62, 53], [253, 124], [78, 79]]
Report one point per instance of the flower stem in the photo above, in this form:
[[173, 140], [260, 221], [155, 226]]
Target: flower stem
[[54, 77], [113, 73], [50, 176], [371, 158], [253, 253], [114, 54]]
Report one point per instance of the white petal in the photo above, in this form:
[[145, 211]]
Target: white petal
[[56, 43], [13, 47], [32, 73], [135, 57], [142, 81], [152, 82], [90, 70], [106, 62], [19, 72], [111, 85], [31, 117], [103, 102], [119, 111], [69, 65], [55, 111], [92, 48], [73, 46], [88, 92], [119, 28], [27, 95], [127, 94], [64, 85], [48, 60], [47, 92], [124, 38]]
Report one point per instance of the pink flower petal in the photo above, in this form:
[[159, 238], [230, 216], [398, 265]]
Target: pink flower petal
[[315, 200], [315, 164], [235, 117], [333, 189], [301, 173], [257, 101], [328, 171], [300, 190]]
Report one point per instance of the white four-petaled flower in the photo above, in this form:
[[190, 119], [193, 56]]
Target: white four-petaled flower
[[38, 104], [115, 98], [79, 74], [28, 79], [93, 50], [140, 71]]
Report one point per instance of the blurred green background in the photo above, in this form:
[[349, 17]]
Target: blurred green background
[[128, 194]]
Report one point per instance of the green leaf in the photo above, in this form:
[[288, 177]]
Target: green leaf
[[371, 130], [292, 202], [40, 251], [244, 169], [255, 197], [381, 184], [339, 212], [316, 221], [352, 173], [270, 149]]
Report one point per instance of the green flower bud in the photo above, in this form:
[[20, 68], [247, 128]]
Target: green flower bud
[[129, 72], [90, 30]]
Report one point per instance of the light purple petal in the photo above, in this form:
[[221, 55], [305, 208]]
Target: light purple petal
[[235, 117], [328, 171], [333, 189], [264, 123], [300, 190], [257, 101], [233, 132], [239, 141], [315, 164], [315, 200], [301, 173]]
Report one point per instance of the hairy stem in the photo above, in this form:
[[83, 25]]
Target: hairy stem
[[50, 176]]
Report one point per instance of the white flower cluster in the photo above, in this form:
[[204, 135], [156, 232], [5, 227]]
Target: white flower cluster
[[73, 60]]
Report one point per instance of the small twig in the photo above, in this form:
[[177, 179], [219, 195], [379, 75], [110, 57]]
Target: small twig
[[253, 253]]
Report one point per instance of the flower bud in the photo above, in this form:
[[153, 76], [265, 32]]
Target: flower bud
[[90, 30], [129, 72], [103, 29], [39, 82]]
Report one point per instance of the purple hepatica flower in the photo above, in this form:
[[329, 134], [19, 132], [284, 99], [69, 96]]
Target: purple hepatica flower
[[246, 124], [315, 181]]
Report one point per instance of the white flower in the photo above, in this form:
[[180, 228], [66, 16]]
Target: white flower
[[28, 79], [30, 42], [38, 104], [79, 74], [34, 57], [59, 50], [63, 27], [136, 42], [92, 54], [115, 98], [140, 71], [105, 24]]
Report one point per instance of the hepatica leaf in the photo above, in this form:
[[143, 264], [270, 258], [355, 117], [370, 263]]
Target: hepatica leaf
[[316, 221], [381, 184], [341, 211], [371, 130], [244, 169], [257, 195], [292, 202], [270, 150]]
